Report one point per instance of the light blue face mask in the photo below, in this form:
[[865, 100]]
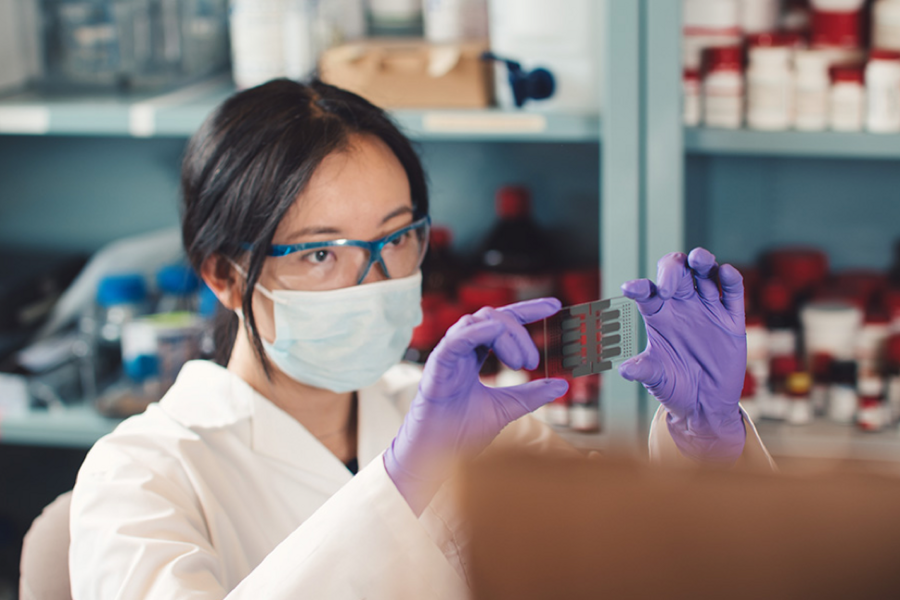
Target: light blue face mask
[[346, 339]]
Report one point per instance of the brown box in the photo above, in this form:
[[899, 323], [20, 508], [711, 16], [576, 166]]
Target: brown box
[[579, 528], [397, 73]]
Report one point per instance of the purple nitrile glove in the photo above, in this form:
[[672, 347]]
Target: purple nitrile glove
[[696, 352], [454, 414]]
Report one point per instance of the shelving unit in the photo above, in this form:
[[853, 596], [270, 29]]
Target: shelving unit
[[180, 113], [76, 426], [824, 144], [646, 210]]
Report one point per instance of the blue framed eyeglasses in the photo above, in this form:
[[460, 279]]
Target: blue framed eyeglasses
[[341, 263]]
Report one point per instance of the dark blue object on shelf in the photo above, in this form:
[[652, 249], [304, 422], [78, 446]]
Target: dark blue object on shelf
[[537, 84]]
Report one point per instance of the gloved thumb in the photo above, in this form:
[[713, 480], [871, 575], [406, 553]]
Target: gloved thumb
[[519, 400], [643, 368]]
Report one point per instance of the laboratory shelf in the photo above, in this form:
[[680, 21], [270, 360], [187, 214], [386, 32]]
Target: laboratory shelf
[[827, 144], [180, 112], [825, 440], [76, 426]]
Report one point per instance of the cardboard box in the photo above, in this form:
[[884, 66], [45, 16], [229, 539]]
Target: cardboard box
[[411, 73], [543, 527]]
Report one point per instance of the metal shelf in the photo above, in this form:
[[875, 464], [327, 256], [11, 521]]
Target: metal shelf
[[76, 426], [827, 144], [179, 113], [825, 440]]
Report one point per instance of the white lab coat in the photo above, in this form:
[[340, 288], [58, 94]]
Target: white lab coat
[[215, 492]]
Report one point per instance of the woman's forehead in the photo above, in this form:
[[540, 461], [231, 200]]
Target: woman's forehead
[[352, 190]]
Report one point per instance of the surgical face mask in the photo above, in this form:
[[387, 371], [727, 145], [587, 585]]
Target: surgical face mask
[[346, 339]]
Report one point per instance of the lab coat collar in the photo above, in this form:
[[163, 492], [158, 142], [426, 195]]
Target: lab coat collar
[[279, 436], [208, 396]]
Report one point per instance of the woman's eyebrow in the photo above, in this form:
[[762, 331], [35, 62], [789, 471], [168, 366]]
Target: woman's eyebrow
[[311, 231], [403, 210]]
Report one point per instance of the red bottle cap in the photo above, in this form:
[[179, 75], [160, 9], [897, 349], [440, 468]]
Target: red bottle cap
[[775, 297], [447, 315], [800, 268], [429, 331], [691, 75], [892, 349], [723, 58], [773, 39], [782, 366], [513, 202], [883, 54], [749, 389], [474, 296], [580, 286], [847, 74], [820, 364], [440, 237], [892, 301], [836, 29], [860, 283]]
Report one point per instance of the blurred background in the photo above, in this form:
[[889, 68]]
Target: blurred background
[[569, 144]]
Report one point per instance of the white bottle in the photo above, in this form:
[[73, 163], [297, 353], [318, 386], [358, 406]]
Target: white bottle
[[770, 88], [847, 99], [886, 24], [448, 21], [270, 39], [883, 91], [759, 16], [708, 23], [723, 88], [811, 86], [395, 13], [563, 37], [691, 97]]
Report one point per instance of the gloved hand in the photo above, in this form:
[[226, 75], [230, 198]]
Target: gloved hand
[[696, 352], [453, 413]]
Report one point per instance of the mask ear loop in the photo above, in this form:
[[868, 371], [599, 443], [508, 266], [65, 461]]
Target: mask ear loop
[[258, 286]]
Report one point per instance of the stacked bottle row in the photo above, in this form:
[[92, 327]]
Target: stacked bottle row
[[822, 344], [139, 333], [515, 261], [808, 66]]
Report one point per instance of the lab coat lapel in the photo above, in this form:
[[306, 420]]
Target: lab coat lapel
[[278, 435]]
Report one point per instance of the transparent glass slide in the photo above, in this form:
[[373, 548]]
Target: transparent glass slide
[[589, 338]]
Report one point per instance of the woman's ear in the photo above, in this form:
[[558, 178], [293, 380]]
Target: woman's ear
[[222, 278]]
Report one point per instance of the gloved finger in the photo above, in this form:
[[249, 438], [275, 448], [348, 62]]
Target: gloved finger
[[530, 311], [732, 290], [644, 368], [705, 270], [644, 294], [515, 348], [465, 337], [673, 278], [517, 401]]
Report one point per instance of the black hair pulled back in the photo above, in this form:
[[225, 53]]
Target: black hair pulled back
[[252, 158]]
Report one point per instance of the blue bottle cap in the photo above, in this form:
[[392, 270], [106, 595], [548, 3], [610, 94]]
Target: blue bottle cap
[[178, 280], [128, 288]]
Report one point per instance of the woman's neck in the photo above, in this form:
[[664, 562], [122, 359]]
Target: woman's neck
[[329, 416]]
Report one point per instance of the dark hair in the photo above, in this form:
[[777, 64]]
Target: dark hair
[[249, 162]]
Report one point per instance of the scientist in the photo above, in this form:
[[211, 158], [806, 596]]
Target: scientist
[[306, 211]]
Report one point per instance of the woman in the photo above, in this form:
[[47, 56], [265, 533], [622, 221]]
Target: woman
[[306, 211]]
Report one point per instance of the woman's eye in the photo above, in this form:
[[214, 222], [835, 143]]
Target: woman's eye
[[399, 240], [318, 256]]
